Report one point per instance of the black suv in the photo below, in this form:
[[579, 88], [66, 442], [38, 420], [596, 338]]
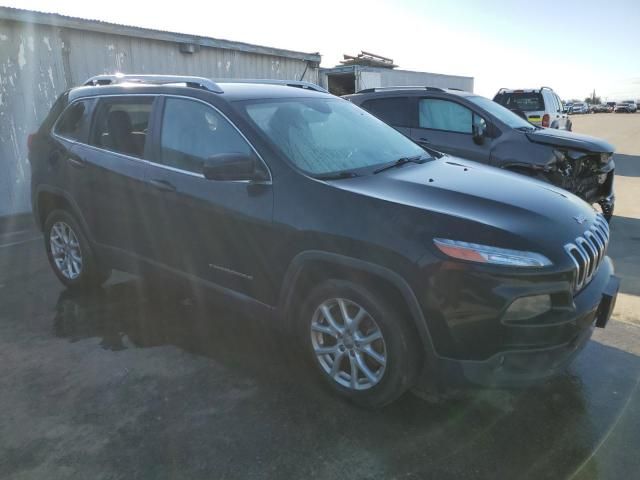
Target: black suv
[[392, 268], [470, 126]]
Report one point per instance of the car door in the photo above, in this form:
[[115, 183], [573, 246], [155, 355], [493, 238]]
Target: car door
[[564, 117], [114, 174], [447, 126], [211, 230], [394, 111], [552, 107], [69, 133]]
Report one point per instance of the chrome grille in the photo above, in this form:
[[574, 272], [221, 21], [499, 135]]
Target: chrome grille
[[588, 250]]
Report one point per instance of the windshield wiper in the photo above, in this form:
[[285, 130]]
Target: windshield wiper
[[401, 161], [336, 175]]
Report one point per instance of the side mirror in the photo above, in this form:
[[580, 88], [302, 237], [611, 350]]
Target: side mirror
[[479, 131], [233, 166]]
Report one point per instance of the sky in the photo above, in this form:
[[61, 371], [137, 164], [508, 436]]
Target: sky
[[572, 46]]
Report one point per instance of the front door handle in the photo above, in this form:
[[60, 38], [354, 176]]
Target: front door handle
[[163, 185]]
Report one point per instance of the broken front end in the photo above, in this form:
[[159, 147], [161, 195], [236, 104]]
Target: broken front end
[[588, 175]]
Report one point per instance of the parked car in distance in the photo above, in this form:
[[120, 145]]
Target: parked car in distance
[[626, 106], [611, 106], [568, 106], [579, 107], [600, 108], [392, 269], [542, 106], [470, 126]]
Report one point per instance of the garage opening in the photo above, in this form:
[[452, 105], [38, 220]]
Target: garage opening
[[341, 83]]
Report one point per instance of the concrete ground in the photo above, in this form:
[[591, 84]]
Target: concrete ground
[[139, 382]]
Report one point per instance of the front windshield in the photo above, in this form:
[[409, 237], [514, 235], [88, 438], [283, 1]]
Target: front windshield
[[328, 135], [503, 114]]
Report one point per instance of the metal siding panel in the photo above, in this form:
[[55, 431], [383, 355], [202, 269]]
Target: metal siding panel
[[30, 81]]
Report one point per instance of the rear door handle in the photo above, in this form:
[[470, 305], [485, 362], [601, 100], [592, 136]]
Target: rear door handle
[[163, 185], [76, 161]]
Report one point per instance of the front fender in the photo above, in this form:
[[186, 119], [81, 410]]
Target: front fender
[[307, 258]]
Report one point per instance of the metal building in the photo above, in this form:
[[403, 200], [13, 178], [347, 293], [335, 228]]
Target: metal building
[[346, 79], [42, 54]]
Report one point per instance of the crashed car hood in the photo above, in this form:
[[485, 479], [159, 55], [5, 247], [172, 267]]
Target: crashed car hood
[[562, 138], [505, 205]]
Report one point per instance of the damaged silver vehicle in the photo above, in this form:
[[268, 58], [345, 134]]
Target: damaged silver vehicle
[[470, 126]]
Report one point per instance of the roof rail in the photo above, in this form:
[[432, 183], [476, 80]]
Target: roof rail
[[402, 87], [269, 81], [195, 82]]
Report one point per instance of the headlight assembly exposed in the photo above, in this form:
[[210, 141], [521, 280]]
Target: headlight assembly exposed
[[474, 252]]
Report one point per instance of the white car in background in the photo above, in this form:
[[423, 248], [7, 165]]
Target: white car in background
[[540, 106], [626, 106], [580, 107]]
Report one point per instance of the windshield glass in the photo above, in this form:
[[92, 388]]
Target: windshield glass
[[501, 113], [327, 135], [525, 101]]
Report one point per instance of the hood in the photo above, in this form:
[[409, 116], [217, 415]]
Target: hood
[[564, 139], [506, 209]]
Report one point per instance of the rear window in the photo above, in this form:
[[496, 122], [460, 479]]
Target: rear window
[[121, 125], [393, 111], [524, 101], [74, 121]]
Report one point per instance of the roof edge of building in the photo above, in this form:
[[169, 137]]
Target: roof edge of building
[[99, 26], [347, 68]]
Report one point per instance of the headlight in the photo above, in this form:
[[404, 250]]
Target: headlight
[[473, 252]]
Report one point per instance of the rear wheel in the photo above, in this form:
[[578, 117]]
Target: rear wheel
[[70, 254], [360, 344]]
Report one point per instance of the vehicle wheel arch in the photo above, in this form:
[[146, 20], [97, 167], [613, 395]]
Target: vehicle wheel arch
[[48, 199], [312, 266]]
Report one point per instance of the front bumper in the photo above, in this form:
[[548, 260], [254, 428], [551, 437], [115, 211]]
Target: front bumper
[[534, 352]]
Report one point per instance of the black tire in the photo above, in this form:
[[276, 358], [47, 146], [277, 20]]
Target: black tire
[[91, 274], [569, 126], [401, 346], [607, 211]]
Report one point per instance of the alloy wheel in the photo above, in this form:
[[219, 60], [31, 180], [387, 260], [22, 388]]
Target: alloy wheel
[[65, 250], [348, 344]]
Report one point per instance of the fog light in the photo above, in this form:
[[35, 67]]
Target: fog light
[[525, 308]]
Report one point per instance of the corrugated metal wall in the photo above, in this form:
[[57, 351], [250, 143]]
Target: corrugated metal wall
[[370, 77], [390, 78], [38, 62]]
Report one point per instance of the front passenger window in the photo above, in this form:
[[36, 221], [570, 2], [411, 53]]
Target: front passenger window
[[193, 132], [444, 115]]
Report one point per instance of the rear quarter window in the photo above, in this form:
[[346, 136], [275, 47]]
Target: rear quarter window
[[75, 121], [393, 111]]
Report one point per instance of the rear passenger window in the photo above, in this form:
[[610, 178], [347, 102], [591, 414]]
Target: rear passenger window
[[444, 115], [75, 120], [393, 111], [122, 124], [193, 132]]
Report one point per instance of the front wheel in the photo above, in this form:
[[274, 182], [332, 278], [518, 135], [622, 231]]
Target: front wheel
[[360, 344], [70, 254]]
